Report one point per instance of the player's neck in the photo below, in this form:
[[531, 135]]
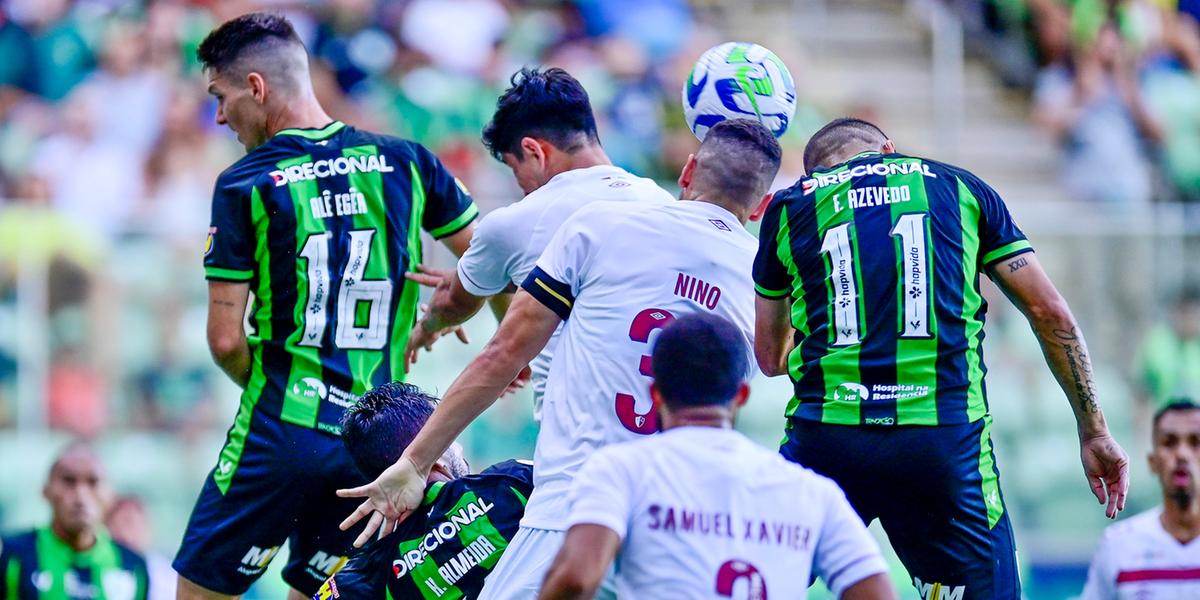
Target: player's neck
[[847, 153], [303, 115], [590, 156], [1181, 517], [717, 417], [79, 541]]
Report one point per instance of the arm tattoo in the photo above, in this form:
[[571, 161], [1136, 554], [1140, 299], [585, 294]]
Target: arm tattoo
[[1081, 368], [1017, 264]]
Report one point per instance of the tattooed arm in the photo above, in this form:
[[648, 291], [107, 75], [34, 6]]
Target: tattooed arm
[[226, 332], [1105, 463]]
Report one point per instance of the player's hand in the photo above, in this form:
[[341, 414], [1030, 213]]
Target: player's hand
[[423, 337], [1107, 468], [429, 276], [519, 382], [394, 495]]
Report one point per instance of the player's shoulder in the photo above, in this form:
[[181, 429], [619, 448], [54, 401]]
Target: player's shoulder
[[606, 215], [130, 558], [396, 146], [20, 544], [950, 174], [254, 167], [505, 477]]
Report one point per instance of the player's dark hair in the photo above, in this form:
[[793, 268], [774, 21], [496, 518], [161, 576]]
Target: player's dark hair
[[699, 360], [829, 141], [384, 421], [252, 31], [1179, 404], [550, 105], [738, 160]]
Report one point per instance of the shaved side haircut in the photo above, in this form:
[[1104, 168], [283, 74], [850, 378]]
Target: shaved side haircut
[[737, 161], [263, 43], [832, 142]]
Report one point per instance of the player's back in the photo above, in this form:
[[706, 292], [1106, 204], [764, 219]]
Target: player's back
[[448, 546], [711, 514], [509, 240], [882, 257], [323, 224], [624, 272]]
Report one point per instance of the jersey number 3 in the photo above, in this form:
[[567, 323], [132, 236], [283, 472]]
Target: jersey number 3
[[639, 331], [914, 280], [357, 297]]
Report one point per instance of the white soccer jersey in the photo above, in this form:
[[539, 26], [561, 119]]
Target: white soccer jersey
[[1138, 560], [706, 513], [509, 240], [616, 273]]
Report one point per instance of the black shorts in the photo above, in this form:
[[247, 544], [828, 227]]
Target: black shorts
[[282, 489], [936, 492]]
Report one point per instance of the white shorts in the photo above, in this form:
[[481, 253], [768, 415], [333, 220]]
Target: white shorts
[[523, 566]]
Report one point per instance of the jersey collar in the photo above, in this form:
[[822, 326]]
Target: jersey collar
[[314, 133], [862, 154]]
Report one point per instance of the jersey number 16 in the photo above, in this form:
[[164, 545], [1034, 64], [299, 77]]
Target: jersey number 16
[[355, 296]]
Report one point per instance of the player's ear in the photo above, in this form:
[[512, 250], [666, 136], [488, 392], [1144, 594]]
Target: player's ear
[[689, 168], [762, 207], [533, 148], [659, 408], [889, 147], [742, 396], [258, 86]]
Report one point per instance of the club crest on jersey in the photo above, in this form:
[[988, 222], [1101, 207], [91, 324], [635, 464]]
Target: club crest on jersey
[[208, 242]]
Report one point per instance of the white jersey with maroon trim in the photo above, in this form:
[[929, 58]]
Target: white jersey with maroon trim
[[1138, 560], [616, 273], [706, 513], [509, 240]]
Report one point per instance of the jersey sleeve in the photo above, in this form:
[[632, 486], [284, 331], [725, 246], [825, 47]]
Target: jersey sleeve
[[558, 275], [229, 251], [600, 495], [770, 274], [364, 576], [999, 236], [1101, 578], [486, 267], [448, 205], [845, 552], [6, 567]]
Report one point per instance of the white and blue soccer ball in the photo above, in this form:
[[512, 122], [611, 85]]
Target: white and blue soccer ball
[[739, 80]]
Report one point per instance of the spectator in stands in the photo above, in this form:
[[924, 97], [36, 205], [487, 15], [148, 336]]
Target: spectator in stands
[[1173, 92], [1094, 107], [72, 557], [129, 524], [1156, 554], [1168, 363]]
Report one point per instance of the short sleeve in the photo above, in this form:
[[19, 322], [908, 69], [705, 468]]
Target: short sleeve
[[601, 493], [845, 551], [558, 276], [770, 274], [448, 205], [484, 269], [999, 236], [229, 250], [1101, 578], [364, 576]]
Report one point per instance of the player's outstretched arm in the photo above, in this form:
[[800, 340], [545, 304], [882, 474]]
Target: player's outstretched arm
[[875, 587], [226, 332], [400, 488], [1030, 289], [772, 334], [581, 563]]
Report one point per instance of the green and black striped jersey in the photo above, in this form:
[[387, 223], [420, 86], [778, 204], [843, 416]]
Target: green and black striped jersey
[[323, 224], [880, 258], [36, 565], [446, 548]]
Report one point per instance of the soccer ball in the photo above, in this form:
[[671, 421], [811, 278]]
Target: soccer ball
[[739, 80]]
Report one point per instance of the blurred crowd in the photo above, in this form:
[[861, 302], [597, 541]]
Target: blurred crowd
[[108, 151], [1116, 82]]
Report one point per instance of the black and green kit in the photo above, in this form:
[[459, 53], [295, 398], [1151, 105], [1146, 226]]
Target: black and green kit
[[37, 565], [881, 257], [447, 547]]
